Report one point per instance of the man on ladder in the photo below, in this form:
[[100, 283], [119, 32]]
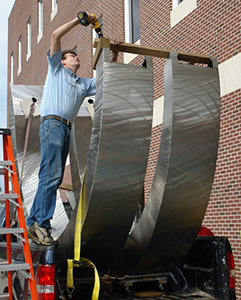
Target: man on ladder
[[64, 92], [63, 95]]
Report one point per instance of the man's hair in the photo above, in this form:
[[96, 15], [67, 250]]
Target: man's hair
[[68, 51]]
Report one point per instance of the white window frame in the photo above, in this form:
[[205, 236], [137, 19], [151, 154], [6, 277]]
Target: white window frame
[[128, 22], [11, 68], [128, 26], [54, 9], [29, 40], [19, 54], [128, 57], [40, 20], [175, 3]]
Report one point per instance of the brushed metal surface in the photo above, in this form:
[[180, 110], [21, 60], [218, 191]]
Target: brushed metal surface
[[184, 174], [116, 162], [79, 147]]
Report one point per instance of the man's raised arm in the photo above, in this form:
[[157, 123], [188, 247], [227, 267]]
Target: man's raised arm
[[59, 33]]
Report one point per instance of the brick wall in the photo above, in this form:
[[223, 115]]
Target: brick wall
[[213, 28], [223, 213], [210, 29], [152, 161]]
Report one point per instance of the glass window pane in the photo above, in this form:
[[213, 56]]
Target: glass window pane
[[135, 20]]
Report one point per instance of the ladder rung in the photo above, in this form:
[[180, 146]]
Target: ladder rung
[[11, 197], [10, 230], [4, 197], [13, 267], [4, 296], [4, 163], [5, 131]]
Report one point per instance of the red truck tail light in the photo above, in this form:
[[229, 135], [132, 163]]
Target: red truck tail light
[[45, 281], [231, 270]]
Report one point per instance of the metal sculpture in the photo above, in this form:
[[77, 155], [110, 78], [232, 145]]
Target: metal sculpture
[[115, 154], [184, 174], [116, 162]]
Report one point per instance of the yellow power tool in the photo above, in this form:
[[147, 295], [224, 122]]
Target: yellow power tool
[[85, 21]]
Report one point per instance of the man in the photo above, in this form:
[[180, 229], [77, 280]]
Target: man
[[63, 94]]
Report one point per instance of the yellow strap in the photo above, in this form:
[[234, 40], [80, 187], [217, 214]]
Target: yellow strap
[[77, 247], [78, 223], [96, 288], [70, 273]]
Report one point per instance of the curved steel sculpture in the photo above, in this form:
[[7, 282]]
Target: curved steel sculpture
[[116, 162], [184, 173]]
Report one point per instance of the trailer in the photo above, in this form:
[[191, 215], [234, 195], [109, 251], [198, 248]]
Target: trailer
[[207, 272]]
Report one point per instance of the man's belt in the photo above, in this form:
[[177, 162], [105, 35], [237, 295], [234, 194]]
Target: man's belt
[[66, 122]]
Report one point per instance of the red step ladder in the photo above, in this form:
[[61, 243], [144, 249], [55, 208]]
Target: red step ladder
[[8, 169]]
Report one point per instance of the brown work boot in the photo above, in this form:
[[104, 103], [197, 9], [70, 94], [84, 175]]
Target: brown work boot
[[40, 235]]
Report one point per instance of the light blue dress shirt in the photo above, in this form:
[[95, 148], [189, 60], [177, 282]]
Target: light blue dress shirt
[[64, 92]]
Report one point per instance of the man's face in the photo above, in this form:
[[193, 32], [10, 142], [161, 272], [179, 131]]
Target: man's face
[[71, 61]]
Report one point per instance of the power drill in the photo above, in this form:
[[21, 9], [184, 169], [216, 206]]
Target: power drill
[[84, 20]]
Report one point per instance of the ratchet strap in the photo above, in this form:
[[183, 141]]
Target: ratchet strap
[[80, 261]]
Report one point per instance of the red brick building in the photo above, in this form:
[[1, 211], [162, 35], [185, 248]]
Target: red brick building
[[199, 26]]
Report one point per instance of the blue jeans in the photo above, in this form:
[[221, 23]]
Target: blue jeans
[[54, 139]]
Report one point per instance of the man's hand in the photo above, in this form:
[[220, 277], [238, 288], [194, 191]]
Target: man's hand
[[91, 18], [115, 53]]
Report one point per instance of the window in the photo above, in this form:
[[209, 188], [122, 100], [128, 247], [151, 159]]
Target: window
[[54, 8], [19, 55], [11, 68], [181, 9], [132, 26], [54, 4], [135, 20], [175, 3], [40, 20], [28, 39], [132, 21]]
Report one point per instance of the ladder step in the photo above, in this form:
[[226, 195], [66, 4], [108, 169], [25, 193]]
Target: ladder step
[[13, 267], [4, 197], [5, 131], [10, 230], [4, 296], [5, 163]]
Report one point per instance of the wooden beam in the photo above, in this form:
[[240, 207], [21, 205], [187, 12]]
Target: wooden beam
[[156, 52], [102, 43]]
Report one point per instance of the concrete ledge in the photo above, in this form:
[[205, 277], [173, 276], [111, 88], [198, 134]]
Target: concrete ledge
[[182, 10], [230, 75], [158, 106]]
